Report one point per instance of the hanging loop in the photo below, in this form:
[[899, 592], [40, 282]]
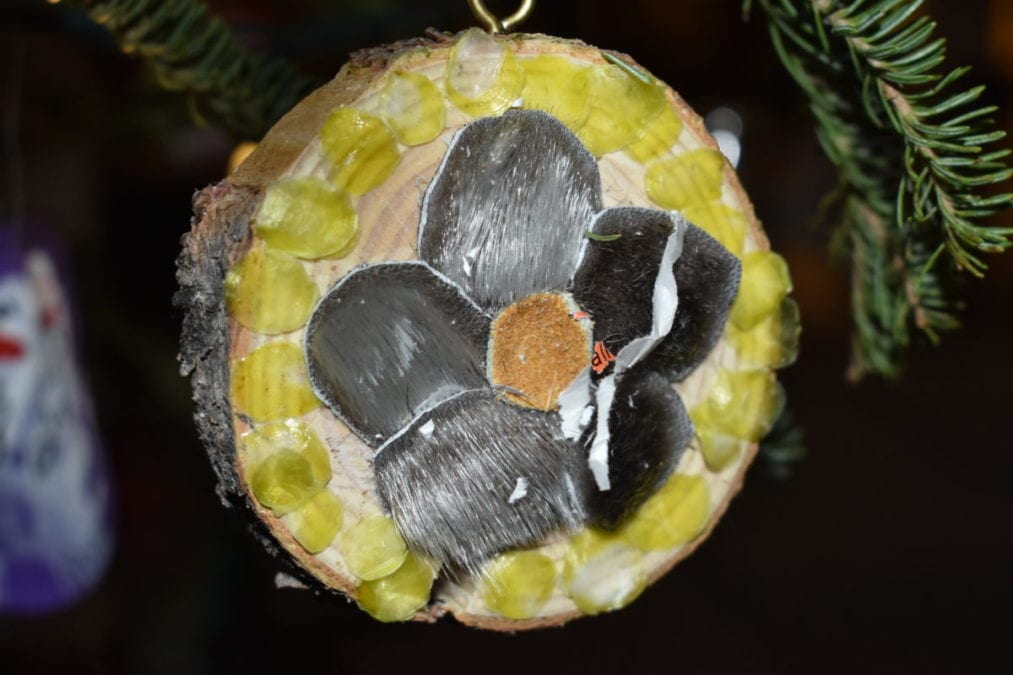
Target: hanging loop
[[493, 23]]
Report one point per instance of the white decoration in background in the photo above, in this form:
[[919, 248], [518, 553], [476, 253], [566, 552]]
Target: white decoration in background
[[725, 125]]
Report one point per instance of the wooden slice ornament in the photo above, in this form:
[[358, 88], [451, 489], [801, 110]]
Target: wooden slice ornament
[[484, 326]]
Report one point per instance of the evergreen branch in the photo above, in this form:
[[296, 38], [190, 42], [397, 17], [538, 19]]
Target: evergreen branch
[[193, 52], [913, 160], [784, 446]]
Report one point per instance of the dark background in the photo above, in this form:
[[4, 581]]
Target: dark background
[[888, 550]]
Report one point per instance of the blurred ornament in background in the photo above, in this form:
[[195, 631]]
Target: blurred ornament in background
[[240, 153], [56, 526], [1000, 37], [725, 126]]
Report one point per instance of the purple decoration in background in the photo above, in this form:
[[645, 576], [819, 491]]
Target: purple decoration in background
[[56, 533]]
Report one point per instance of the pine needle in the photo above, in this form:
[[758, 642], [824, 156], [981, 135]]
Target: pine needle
[[194, 52], [912, 154]]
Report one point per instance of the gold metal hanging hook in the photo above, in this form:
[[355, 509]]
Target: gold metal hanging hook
[[493, 23]]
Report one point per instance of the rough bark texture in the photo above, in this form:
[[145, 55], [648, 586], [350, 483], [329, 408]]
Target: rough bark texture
[[219, 235], [208, 250]]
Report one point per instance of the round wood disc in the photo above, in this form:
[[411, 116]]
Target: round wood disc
[[285, 245]]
